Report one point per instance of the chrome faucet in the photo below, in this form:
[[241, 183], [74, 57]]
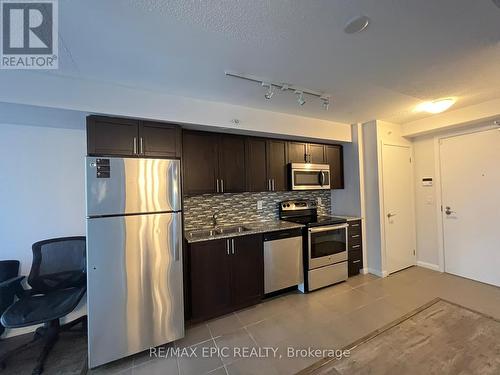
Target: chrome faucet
[[214, 219]]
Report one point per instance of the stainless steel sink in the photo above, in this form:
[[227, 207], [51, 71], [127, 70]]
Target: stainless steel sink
[[216, 231], [232, 229]]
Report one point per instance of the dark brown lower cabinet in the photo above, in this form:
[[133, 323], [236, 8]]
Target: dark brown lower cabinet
[[355, 248], [225, 275]]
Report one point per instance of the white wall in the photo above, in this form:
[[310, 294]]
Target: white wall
[[97, 97], [41, 189], [425, 202], [347, 201]]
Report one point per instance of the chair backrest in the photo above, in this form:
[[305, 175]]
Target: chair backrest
[[8, 269], [58, 263]]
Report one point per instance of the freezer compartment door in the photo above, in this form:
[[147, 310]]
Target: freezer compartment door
[[135, 291], [118, 186]]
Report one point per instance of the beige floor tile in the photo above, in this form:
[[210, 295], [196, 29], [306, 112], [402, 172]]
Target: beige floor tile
[[253, 366], [361, 279], [236, 339], [194, 335], [200, 364], [159, 366], [349, 301], [223, 325]]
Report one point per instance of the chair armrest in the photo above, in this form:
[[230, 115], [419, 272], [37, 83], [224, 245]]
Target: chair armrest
[[14, 285]]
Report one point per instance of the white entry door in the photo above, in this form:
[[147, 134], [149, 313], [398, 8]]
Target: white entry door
[[470, 185], [398, 207]]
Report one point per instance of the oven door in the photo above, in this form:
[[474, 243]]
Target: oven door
[[327, 245], [309, 176]]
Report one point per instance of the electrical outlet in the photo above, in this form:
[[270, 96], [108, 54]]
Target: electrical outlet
[[259, 205], [319, 201]]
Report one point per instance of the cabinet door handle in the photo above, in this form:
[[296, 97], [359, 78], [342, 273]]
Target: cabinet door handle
[[354, 225], [355, 236], [357, 261], [227, 246], [221, 185], [135, 145], [141, 148], [269, 184], [356, 246], [273, 185], [217, 185], [232, 245]]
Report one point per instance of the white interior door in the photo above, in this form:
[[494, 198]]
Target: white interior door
[[470, 183], [399, 227]]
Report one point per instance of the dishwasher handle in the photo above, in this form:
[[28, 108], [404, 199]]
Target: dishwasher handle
[[287, 233]]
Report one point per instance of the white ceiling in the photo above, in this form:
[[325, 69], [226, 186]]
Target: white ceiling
[[413, 50]]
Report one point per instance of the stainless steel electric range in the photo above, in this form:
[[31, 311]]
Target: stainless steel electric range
[[325, 244]]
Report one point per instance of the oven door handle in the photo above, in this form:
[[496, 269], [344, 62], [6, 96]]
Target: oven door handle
[[327, 228]]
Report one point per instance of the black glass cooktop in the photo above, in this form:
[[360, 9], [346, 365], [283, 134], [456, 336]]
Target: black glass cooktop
[[316, 221]]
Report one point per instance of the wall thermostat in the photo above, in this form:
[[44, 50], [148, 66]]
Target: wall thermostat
[[427, 181]]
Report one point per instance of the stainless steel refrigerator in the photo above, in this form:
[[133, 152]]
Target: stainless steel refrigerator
[[134, 256]]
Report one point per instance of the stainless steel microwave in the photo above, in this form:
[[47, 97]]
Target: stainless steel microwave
[[308, 176]]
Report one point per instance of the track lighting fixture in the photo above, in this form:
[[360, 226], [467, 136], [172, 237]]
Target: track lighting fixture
[[300, 97], [326, 102], [270, 92], [284, 87]]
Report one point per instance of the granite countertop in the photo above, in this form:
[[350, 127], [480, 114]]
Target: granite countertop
[[254, 228], [348, 218]]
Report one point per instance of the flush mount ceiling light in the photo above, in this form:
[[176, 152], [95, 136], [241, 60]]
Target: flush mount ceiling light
[[357, 24], [435, 106], [283, 87]]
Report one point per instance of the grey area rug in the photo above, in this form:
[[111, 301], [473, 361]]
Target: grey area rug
[[67, 357], [437, 338]]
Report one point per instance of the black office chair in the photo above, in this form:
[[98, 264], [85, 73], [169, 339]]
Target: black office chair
[[9, 270], [58, 282]]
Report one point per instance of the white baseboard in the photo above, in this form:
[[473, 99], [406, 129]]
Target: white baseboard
[[377, 272], [430, 266]]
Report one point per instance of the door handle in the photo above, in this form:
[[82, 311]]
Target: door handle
[[232, 245], [135, 145], [390, 214], [448, 210], [274, 189], [141, 148], [227, 246], [217, 185], [221, 185], [269, 184], [322, 178]]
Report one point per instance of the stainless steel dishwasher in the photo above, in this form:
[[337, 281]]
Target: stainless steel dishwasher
[[283, 260]]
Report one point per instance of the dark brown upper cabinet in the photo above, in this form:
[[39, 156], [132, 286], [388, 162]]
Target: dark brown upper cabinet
[[266, 164], [225, 275], [159, 140], [200, 162], [301, 152], [256, 164], [213, 163], [276, 164], [335, 158], [231, 163], [110, 136]]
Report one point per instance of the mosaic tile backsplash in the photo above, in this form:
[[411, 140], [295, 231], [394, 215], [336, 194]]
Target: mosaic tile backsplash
[[242, 207]]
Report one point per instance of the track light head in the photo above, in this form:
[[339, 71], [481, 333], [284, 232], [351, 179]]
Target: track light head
[[300, 97], [270, 92], [326, 102]]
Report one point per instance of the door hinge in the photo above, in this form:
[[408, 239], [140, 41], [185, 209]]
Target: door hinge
[[410, 160], [441, 208], [414, 252]]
